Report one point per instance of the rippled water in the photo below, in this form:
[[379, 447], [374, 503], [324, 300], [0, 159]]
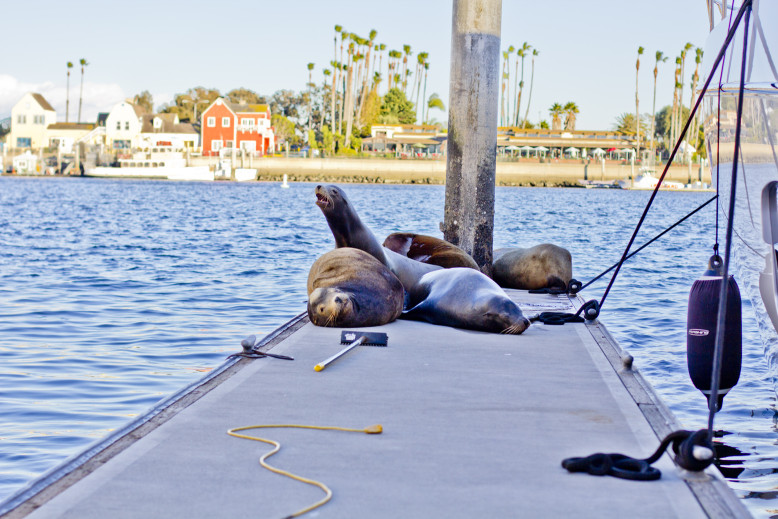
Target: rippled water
[[116, 293]]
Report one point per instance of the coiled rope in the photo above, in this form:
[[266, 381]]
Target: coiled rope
[[373, 429]]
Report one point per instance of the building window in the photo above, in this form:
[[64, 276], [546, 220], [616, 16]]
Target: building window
[[23, 142], [247, 122], [216, 145], [118, 125], [228, 144], [38, 119], [211, 122], [225, 122], [22, 119], [157, 123], [127, 125]]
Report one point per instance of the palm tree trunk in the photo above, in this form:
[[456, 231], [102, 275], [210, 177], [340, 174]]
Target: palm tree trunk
[[81, 94], [517, 91], [653, 120], [349, 105], [425, 108], [529, 97], [332, 104], [67, 99]]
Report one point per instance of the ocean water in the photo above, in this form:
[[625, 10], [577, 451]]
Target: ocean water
[[114, 294]]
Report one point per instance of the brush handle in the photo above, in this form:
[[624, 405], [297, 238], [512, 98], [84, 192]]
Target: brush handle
[[320, 366]]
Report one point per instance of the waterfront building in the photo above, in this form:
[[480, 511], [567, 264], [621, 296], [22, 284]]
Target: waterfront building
[[123, 126], [166, 130], [62, 136], [226, 126], [30, 117]]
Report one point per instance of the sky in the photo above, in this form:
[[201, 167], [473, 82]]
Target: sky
[[587, 50]]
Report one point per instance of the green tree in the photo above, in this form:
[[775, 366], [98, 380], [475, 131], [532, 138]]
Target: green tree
[[625, 124], [535, 52], [556, 112], [187, 104], [245, 96], [284, 129], [571, 112], [435, 102], [144, 100], [395, 104], [67, 94], [83, 64], [660, 57], [637, 100]]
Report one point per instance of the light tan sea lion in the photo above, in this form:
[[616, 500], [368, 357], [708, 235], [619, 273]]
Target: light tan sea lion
[[464, 298], [429, 249], [349, 288], [541, 266]]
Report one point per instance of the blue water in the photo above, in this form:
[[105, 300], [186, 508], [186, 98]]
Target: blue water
[[116, 293]]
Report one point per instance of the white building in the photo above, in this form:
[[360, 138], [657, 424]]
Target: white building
[[123, 126], [165, 130], [29, 119]]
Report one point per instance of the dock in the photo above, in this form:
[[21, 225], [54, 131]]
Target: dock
[[474, 425]]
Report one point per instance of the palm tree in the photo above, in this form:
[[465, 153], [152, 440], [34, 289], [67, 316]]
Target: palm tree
[[335, 75], [686, 48], [381, 49], [502, 87], [67, 95], [434, 102], [570, 111], [637, 101], [535, 52], [660, 58], [83, 64], [556, 112], [522, 53], [695, 78], [674, 114], [366, 75], [407, 51], [310, 94], [507, 78]]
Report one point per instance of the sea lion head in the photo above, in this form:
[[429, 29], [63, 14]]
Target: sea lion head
[[501, 315], [331, 306], [331, 199]]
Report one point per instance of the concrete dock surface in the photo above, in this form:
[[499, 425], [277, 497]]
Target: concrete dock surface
[[475, 425]]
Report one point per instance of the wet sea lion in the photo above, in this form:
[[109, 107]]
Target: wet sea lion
[[542, 266], [349, 231], [464, 298], [350, 288], [429, 249]]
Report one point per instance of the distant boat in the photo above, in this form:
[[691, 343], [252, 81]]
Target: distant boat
[[285, 183], [646, 180]]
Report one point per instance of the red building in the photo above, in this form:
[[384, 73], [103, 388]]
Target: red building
[[225, 125]]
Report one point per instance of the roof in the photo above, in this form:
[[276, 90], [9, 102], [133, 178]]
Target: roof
[[139, 110], [168, 124], [70, 126], [246, 108], [42, 101]]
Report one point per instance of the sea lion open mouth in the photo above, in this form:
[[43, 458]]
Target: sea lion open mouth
[[322, 201]]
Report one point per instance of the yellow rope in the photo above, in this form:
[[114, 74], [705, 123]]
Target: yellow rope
[[373, 429]]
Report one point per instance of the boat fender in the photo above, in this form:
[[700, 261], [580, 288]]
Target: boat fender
[[701, 324]]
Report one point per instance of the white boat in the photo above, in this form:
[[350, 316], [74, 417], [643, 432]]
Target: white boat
[[646, 180], [755, 224]]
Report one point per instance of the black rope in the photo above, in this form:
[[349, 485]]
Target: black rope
[[652, 240], [716, 63], [636, 469], [718, 352]]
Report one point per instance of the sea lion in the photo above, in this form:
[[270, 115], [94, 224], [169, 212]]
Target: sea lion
[[429, 249], [541, 266], [464, 298], [350, 288], [349, 231]]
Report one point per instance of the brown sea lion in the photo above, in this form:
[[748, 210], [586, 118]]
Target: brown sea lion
[[429, 249], [350, 288], [541, 266], [349, 231], [464, 298]]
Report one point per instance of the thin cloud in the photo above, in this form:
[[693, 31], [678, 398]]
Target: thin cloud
[[98, 97]]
